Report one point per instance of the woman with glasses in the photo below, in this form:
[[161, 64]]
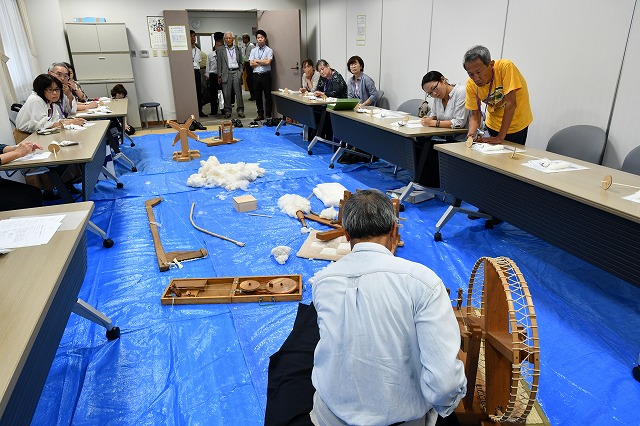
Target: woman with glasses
[[448, 103], [43, 108], [330, 82], [447, 111]]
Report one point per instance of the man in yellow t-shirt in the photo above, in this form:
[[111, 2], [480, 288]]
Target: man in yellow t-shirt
[[502, 89]]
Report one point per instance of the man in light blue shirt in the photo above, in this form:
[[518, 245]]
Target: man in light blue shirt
[[388, 335], [260, 60]]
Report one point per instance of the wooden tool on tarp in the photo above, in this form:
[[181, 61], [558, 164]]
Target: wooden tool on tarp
[[500, 347], [225, 135], [300, 216], [268, 288], [165, 259], [316, 218], [185, 154]]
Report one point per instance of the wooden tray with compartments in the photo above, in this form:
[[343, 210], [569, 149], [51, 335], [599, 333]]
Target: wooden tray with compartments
[[268, 288]]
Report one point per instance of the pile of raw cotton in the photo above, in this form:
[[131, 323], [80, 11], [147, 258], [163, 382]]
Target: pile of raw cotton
[[229, 176]]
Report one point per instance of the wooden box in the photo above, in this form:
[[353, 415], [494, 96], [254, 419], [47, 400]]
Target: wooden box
[[245, 203], [268, 288]]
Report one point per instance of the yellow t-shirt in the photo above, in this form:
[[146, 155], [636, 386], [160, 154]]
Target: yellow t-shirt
[[506, 78]]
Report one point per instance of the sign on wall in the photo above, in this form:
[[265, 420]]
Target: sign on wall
[[361, 30], [178, 37]]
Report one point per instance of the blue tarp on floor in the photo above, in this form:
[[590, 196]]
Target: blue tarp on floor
[[207, 364]]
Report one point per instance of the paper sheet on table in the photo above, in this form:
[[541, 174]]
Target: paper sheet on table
[[488, 148], [553, 166], [35, 155], [385, 113], [28, 231], [633, 197]]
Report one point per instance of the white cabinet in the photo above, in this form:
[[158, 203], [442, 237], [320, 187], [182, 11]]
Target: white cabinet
[[101, 58]]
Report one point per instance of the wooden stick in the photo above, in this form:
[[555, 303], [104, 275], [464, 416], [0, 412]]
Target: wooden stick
[[258, 214], [193, 205]]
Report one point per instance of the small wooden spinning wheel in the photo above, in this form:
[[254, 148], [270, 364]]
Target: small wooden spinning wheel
[[500, 332], [183, 135], [276, 285]]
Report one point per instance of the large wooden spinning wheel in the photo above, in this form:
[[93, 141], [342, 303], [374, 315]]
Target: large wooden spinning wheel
[[500, 332]]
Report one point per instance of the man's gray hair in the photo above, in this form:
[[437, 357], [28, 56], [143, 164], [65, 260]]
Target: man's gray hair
[[58, 64], [228, 32], [477, 52], [368, 213]]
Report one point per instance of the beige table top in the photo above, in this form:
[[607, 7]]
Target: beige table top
[[386, 124], [29, 280], [580, 185], [89, 141], [118, 108], [299, 97]]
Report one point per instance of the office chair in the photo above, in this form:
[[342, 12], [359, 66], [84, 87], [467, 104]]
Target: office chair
[[583, 142], [631, 163], [411, 106]]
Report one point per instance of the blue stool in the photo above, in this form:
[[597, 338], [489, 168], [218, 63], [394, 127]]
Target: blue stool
[[143, 112]]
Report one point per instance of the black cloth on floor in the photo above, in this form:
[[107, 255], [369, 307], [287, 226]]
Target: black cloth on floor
[[289, 389]]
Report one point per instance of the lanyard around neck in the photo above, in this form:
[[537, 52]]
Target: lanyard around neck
[[328, 81], [484, 114]]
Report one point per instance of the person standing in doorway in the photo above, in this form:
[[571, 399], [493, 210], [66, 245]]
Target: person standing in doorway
[[246, 51], [230, 74], [260, 60], [197, 56]]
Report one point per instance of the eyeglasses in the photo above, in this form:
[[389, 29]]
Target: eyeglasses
[[50, 90], [432, 92], [61, 75]]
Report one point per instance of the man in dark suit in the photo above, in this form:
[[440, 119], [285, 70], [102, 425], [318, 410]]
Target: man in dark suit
[[230, 74]]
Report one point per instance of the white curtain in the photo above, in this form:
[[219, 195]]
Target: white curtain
[[15, 45]]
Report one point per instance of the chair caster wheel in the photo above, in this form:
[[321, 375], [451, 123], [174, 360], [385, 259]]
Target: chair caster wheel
[[488, 224], [119, 185], [113, 334], [134, 169], [132, 144], [277, 133], [437, 236], [107, 243], [310, 152], [401, 208], [331, 166]]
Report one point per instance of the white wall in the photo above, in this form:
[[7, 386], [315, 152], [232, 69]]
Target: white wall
[[571, 60]]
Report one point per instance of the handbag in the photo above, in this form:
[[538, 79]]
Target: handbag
[[424, 109]]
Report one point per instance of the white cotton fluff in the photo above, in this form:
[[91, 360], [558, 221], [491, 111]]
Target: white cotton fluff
[[558, 165], [291, 203], [229, 176], [329, 213], [329, 193], [305, 230], [281, 254]]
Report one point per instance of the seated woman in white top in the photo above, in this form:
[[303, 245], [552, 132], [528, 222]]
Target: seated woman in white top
[[447, 110], [448, 104], [42, 109], [310, 76], [361, 86]]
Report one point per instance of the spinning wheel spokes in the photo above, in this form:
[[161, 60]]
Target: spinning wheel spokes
[[500, 310]]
